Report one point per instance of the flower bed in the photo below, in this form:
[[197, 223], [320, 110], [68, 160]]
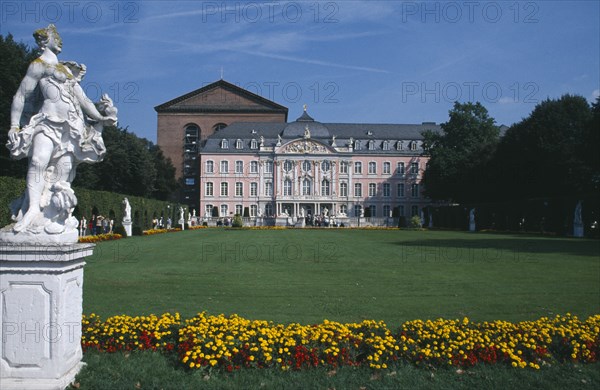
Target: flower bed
[[100, 237], [232, 343], [150, 232]]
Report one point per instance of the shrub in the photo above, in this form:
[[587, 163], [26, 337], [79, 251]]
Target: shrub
[[237, 221], [415, 222]]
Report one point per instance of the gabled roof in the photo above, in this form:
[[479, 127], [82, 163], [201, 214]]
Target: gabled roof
[[259, 104]]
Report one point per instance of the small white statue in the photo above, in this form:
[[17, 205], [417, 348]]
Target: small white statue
[[127, 215], [302, 211], [325, 212]]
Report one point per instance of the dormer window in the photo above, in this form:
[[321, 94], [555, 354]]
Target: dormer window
[[238, 144], [224, 144], [253, 144], [371, 145], [386, 145], [413, 145], [357, 145], [399, 145]]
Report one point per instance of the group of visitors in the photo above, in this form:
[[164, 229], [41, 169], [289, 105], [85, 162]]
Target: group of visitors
[[159, 223], [96, 225]]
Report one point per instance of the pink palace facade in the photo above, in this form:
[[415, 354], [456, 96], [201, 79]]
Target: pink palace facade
[[276, 172]]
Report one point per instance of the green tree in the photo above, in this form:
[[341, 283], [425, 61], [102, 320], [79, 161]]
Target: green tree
[[14, 60], [551, 153], [460, 153]]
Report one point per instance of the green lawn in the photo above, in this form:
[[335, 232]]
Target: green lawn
[[345, 275]]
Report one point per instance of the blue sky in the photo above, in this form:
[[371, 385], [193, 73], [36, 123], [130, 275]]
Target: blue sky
[[349, 61]]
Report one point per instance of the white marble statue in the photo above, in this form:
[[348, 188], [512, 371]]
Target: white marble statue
[[302, 211], [472, 226], [56, 126], [181, 215], [259, 213], [325, 212], [127, 213], [578, 221]]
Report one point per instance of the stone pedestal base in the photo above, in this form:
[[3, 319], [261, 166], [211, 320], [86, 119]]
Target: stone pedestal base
[[127, 226], [41, 299]]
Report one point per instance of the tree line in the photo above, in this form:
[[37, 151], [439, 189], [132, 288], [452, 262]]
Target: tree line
[[552, 153], [132, 165]]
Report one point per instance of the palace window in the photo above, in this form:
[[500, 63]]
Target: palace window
[[253, 166], [400, 190], [224, 166], [268, 188], [401, 211], [357, 168], [387, 168], [239, 144], [386, 145], [269, 209], [287, 166], [224, 144], [210, 167], [325, 188], [372, 167], [238, 209], [254, 189], [386, 211], [373, 209], [239, 166], [357, 189], [306, 187], [343, 189], [344, 167], [306, 165], [224, 209], [413, 145], [287, 187], [386, 189], [399, 145], [224, 188], [357, 210], [357, 145], [219, 126], [326, 166], [269, 166], [414, 189], [414, 210], [372, 189], [253, 210], [253, 144], [400, 168], [414, 168], [239, 189], [371, 145], [344, 209], [208, 210], [209, 189]]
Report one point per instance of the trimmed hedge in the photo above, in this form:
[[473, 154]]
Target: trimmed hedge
[[90, 202]]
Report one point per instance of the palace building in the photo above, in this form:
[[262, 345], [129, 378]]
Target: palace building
[[276, 171]]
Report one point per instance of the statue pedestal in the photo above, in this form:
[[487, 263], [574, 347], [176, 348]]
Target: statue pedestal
[[472, 226], [41, 299], [578, 230], [127, 226]]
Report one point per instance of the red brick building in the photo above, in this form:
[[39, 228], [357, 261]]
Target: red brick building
[[185, 122]]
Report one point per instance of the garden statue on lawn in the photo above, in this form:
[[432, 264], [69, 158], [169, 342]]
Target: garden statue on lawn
[[56, 126]]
